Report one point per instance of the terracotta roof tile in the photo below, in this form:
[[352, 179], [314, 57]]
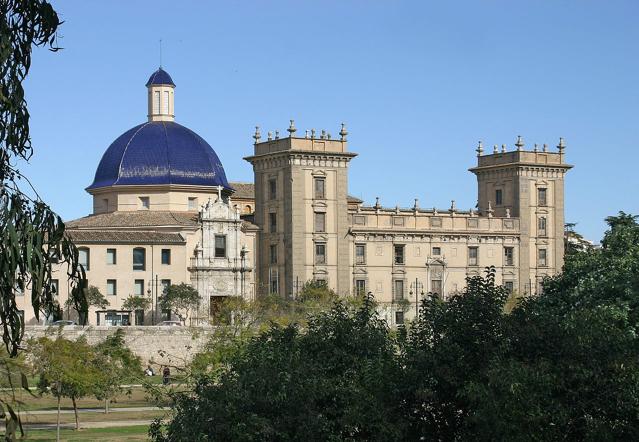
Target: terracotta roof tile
[[124, 236], [137, 218], [243, 190]]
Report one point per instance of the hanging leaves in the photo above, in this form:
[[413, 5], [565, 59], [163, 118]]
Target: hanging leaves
[[32, 238]]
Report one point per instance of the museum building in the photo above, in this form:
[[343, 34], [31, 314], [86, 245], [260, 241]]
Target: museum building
[[164, 213]]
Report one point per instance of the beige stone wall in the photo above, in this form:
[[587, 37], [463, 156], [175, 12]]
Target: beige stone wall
[[173, 346]]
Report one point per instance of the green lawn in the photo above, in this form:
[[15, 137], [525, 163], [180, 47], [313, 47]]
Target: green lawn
[[135, 433]]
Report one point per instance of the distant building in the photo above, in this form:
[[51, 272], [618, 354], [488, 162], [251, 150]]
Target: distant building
[[164, 213]]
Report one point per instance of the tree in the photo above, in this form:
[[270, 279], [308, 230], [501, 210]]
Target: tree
[[94, 298], [180, 299], [32, 237], [66, 369], [136, 303], [119, 365], [333, 381]]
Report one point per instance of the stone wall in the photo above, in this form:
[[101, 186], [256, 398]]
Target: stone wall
[[155, 345]]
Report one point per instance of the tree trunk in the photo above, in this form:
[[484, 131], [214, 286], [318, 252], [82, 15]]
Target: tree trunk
[[75, 410], [106, 406], [57, 425]]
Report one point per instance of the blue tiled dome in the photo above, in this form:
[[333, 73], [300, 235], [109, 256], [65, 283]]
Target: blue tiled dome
[[159, 152], [160, 77]]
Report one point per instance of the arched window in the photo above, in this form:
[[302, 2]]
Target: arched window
[[139, 258], [84, 258]]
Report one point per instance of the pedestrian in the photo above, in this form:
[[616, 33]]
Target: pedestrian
[[166, 376]]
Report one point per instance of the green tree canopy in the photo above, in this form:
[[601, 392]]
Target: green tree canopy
[[134, 302], [181, 299]]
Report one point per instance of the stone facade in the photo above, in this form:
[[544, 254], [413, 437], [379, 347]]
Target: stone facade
[[401, 254]]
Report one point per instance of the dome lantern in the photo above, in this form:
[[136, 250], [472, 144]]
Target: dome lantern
[[160, 96]]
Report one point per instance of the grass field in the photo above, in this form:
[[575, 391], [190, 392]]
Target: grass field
[[136, 433]]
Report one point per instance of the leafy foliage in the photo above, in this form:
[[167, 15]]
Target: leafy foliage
[[181, 299], [560, 366], [94, 298], [136, 303], [31, 235]]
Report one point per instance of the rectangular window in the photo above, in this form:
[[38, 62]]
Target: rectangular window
[[360, 287], [139, 258], [55, 287], [220, 246], [398, 289], [437, 251], [105, 204], [399, 254], [145, 203], [399, 318], [274, 277], [541, 226], [509, 286], [498, 197], [273, 253], [112, 287], [542, 258], [320, 253], [138, 287], [473, 256], [165, 103], [192, 203], [508, 256], [84, 258], [111, 257], [541, 196], [272, 218], [360, 254], [272, 189], [156, 102], [166, 256], [320, 188], [320, 222], [165, 284], [436, 286]]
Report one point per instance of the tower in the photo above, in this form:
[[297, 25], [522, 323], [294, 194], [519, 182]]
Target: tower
[[301, 207], [528, 185], [160, 96]]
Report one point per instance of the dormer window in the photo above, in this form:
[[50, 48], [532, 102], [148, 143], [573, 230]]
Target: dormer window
[[145, 203]]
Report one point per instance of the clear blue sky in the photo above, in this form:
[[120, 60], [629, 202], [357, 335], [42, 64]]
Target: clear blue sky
[[418, 84]]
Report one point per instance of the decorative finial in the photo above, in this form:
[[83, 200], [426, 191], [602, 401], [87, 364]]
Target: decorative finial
[[269, 135], [312, 134], [561, 146], [277, 134], [257, 136], [397, 209], [480, 149], [377, 205], [490, 210], [328, 136], [343, 132], [291, 128], [471, 213], [306, 135], [219, 194], [507, 212], [519, 143], [452, 206], [503, 148], [545, 147], [416, 205], [435, 211], [495, 149], [535, 149]]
